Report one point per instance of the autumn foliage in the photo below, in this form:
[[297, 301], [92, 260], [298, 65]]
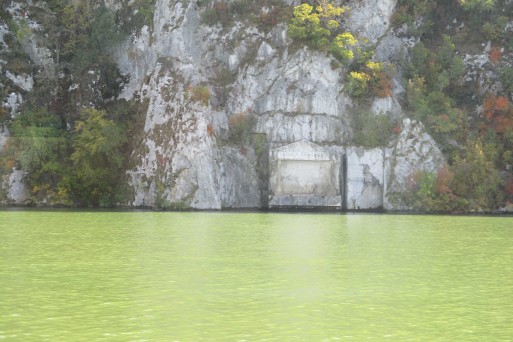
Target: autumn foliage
[[509, 187], [497, 114], [495, 54], [444, 179], [383, 85], [210, 129]]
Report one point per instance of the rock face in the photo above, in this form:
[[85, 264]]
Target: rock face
[[223, 104], [17, 191], [365, 178], [414, 150], [25, 82], [371, 18], [4, 135], [187, 155], [239, 180]]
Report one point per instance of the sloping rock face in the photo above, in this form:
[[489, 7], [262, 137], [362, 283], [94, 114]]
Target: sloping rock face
[[198, 79], [414, 150]]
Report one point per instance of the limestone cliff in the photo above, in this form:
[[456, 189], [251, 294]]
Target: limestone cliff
[[217, 98], [294, 95]]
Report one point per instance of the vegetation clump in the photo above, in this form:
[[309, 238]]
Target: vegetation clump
[[200, 93], [471, 183], [319, 27], [372, 130], [477, 144], [97, 159], [70, 138], [433, 76], [266, 14], [241, 126]]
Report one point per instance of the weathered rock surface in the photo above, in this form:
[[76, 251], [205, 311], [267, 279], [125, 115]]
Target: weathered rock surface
[[239, 179], [365, 178], [415, 150], [371, 18], [13, 102], [25, 82], [4, 135], [17, 192]]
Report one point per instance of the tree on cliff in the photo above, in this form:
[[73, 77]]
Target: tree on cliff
[[97, 159]]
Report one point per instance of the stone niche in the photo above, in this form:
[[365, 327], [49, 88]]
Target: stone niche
[[304, 175]]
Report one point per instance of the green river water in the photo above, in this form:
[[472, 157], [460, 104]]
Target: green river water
[[157, 276]]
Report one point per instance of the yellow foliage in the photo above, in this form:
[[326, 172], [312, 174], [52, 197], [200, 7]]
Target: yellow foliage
[[374, 66], [327, 9], [333, 24], [304, 13], [345, 39], [359, 76]]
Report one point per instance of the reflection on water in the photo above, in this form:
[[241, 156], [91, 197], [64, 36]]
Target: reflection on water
[[77, 276]]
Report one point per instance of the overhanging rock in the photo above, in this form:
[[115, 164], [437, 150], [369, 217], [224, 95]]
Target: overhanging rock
[[303, 174]]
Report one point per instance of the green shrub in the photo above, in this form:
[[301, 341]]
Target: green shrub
[[225, 77], [23, 31], [506, 78], [210, 16], [372, 130], [240, 128], [4, 115], [41, 148], [203, 3], [477, 5], [432, 74], [277, 12], [240, 7], [440, 68], [408, 11], [358, 83], [368, 76], [319, 28], [135, 15], [476, 178], [495, 30], [201, 94], [97, 159], [104, 32], [225, 13], [19, 63], [87, 33], [259, 142]]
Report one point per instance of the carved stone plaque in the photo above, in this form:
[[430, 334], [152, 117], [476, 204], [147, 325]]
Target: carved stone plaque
[[304, 174]]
